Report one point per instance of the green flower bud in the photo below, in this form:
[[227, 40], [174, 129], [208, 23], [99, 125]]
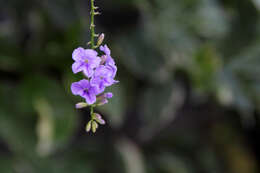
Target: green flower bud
[[94, 126], [81, 105], [100, 39], [88, 126]]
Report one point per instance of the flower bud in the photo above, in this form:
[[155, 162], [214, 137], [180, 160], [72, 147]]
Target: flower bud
[[102, 102], [81, 105], [109, 95], [100, 39], [94, 126], [88, 126], [97, 13], [99, 119]]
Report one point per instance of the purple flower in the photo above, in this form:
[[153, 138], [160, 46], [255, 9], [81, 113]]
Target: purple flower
[[100, 73], [108, 95], [108, 60], [85, 60], [84, 89], [103, 77], [105, 49], [102, 99], [112, 68]]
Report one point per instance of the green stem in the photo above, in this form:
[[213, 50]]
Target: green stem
[[91, 111], [92, 24], [92, 41]]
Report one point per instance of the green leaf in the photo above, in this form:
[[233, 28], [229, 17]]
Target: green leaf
[[46, 97], [158, 108]]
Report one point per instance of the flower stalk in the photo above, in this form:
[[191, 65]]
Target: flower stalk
[[99, 71], [92, 24], [92, 40]]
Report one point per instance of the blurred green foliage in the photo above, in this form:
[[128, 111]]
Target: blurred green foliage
[[187, 101]]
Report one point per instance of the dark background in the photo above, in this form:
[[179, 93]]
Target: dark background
[[188, 100]]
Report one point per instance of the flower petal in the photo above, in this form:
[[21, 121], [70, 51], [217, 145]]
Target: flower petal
[[105, 49], [78, 54], [77, 67], [110, 60], [90, 53], [88, 71], [98, 85], [90, 98], [108, 81], [95, 62], [113, 69], [84, 83], [76, 88], [108, 95]]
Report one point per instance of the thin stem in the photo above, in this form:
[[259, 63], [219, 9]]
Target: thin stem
[[92, 24], [91, 111], [92, 41]]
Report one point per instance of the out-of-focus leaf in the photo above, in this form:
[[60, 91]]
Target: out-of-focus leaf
[[65, 164], [141, 60], [170, 163], [131, 156], [257, 4], [8, 63], [178, 40], [6, 165], [210, 20], [15, 129], [204, 68], [167, 162], [208, 158], [63, 13], [238, 80], [62, 116], [45, 126], [158, 107]]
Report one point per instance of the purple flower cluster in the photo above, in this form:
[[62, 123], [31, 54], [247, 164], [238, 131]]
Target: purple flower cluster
[[100, 73]]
